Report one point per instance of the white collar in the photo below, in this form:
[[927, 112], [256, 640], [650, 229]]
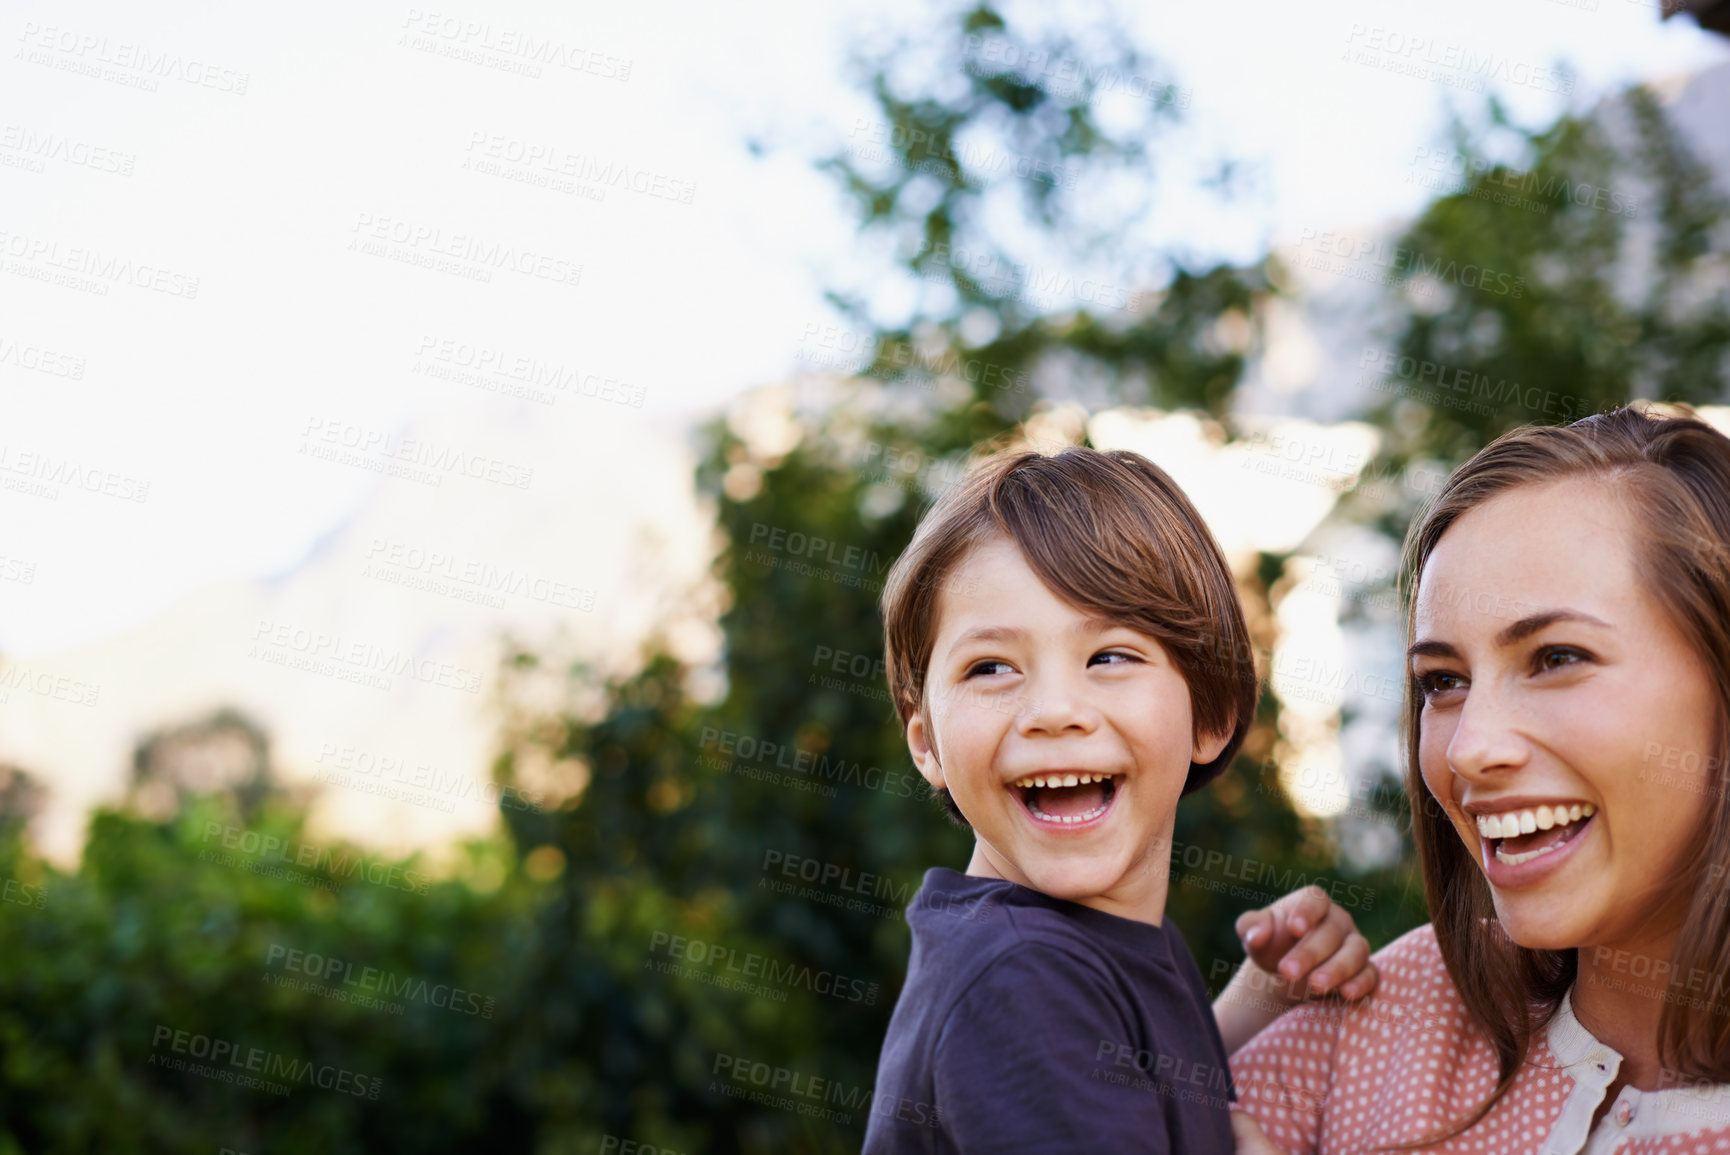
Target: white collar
[[1593, 1066]]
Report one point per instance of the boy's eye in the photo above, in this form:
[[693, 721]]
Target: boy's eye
[[987, 667]]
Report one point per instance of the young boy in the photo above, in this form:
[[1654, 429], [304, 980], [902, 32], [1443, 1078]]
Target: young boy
[[1067, 652]]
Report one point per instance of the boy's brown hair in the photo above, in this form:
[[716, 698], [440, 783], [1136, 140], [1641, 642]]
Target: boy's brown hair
[[1107, 532]]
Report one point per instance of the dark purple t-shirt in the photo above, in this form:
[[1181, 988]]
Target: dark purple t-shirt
[[1033, 1024]]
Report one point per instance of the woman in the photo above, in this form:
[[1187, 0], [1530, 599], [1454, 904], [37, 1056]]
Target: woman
[[1565, 729]]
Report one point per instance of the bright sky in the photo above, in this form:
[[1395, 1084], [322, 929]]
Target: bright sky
[[320, 329], [394, 128]]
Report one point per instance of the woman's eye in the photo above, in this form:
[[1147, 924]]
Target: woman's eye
[[1555, 657], [987, 667], [1117, 657], [1438, 682]]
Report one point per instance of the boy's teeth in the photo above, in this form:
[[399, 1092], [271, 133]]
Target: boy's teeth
[[1062, 820], [1061, 779], [1517, 822]]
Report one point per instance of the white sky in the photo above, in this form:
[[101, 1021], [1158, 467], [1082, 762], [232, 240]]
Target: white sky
[[298, 341], [258, 195]]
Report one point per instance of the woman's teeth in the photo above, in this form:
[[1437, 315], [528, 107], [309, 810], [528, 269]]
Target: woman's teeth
[[1518, 822]]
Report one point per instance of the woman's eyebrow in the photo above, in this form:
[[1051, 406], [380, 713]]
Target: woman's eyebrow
[[1432, 649], [1532, 623], [1524, 628]]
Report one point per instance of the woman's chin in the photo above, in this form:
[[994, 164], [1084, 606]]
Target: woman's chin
[[1538, 930]]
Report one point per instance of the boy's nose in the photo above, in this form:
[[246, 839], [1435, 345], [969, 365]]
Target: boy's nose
[[1057, 705]]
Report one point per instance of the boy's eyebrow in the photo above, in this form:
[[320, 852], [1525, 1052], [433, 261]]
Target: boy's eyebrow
[[1095, 625]]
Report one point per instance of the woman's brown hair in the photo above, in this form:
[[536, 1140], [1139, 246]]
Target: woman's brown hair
[[1108, 532], [1672, 473]]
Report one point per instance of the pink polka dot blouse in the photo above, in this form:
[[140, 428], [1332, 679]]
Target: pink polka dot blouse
[[1332, 1078]]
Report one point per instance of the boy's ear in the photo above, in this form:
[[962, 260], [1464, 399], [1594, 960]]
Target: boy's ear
[[921, 743], [1207, 747]]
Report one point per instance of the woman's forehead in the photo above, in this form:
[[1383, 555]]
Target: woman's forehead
[[1536, 547]]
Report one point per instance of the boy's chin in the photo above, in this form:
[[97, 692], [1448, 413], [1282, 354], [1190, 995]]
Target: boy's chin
[[1066, 881]]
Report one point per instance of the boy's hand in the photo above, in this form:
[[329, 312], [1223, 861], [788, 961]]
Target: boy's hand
[[1311, 944]]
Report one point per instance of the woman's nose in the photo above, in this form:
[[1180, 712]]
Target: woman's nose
[[1486, 738]]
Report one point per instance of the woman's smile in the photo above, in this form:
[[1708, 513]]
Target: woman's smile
[[1534, 719]]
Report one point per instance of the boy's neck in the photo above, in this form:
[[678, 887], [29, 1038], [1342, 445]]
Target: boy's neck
[[1141, 901]]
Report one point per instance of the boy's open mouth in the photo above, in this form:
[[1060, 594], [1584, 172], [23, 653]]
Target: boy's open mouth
[[1517, 836], [1064, 797]]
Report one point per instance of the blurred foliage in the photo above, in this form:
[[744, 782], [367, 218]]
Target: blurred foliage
[[609, 934], [1618, 246]]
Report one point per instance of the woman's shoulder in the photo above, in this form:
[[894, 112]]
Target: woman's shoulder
[[1413, 990], [1412, 961]]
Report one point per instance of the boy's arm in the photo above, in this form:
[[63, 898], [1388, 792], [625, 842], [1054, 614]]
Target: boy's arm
[[1301, 947], [1025, 1064]]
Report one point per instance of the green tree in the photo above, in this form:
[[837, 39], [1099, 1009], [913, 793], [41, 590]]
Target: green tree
[[679, 842]]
